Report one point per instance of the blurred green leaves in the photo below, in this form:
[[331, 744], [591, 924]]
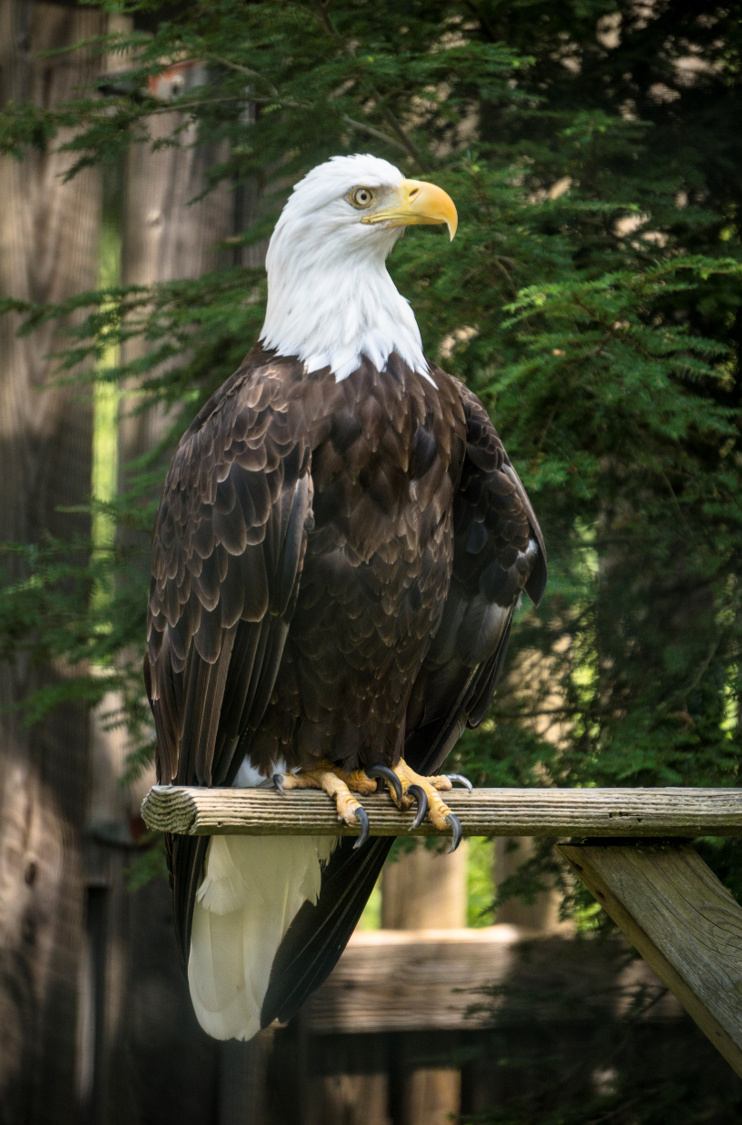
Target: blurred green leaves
[[592, 298]]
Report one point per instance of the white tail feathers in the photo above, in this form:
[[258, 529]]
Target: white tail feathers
[[252, 890]]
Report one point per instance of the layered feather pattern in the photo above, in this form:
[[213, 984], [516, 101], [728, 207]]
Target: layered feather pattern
[[335, 570]]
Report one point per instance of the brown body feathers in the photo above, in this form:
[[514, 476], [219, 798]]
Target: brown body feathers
[[335, 571]]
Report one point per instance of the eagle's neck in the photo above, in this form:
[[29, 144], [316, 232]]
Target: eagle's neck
[[330, 304]]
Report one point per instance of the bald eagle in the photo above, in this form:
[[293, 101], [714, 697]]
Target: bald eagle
[[338, 552]]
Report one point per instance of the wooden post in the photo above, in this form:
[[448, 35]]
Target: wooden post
[[165, 236], [684, 923], [242, 1080], [356, 1092], [425, 890], [540, 916]]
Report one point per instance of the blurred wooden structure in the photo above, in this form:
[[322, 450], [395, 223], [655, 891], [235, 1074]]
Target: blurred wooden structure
[[424, 890], [165, 235], [418, 988], [664, 898], [413, 980], [412, 1025], [540, 916], [49, 232]]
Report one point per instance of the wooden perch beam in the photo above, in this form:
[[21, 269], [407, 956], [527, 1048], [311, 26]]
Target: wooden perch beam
[[485, 812]]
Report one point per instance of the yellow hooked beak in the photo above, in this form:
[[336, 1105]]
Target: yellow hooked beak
[[418, 203]]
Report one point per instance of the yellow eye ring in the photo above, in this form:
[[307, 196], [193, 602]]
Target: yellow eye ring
[[361, 198]]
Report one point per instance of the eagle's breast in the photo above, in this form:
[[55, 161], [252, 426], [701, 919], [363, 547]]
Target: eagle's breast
[[387, 449]]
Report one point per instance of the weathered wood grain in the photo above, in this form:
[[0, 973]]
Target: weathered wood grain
[[427, 980], [411, 980], [684, 923], [485, 812]]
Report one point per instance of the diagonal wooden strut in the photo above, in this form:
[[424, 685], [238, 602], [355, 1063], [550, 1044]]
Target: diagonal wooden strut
[[685, 924]]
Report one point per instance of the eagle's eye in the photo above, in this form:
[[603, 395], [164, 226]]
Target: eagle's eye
[[361, 197]]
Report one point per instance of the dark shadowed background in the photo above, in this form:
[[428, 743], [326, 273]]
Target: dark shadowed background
[[592, 299]]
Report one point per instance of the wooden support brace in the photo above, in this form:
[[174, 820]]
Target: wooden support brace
[[684, 923]]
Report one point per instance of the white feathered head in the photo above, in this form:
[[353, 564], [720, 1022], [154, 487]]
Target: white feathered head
[[330, 298]]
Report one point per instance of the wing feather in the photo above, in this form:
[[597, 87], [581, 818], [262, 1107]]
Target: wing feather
[[228, 551], [498, 552], [320, 931]]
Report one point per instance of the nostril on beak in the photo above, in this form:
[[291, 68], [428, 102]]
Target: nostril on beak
[[414, 193]]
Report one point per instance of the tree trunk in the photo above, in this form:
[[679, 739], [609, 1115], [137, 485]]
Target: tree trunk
[[424, 890], [541, 915], [165, 236], [48, 251], [149, 1061]]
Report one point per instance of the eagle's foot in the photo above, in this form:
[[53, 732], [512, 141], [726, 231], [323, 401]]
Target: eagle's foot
[[430, 805], [338, 786]]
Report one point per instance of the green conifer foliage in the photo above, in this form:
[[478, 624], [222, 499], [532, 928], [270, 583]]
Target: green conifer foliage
[[592, 298]]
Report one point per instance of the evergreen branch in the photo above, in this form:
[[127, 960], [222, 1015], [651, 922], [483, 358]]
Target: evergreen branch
[[252, 99], [703, 668], [321, 7], [246, 70], [374, 132], [403, 141]]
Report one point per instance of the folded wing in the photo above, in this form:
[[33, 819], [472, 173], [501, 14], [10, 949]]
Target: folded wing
[[228, 550], [498, 552]]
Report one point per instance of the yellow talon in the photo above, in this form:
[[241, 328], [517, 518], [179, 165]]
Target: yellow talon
[[341, 786], [438, 810], [359, 783], [333, 781]]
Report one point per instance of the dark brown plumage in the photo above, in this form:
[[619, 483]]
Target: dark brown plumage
[[335, 570]]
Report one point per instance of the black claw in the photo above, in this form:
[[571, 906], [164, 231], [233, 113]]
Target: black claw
[[460, 777], [362, 815], [278, 783], [389, 775], [421, 797], [456, 832]]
